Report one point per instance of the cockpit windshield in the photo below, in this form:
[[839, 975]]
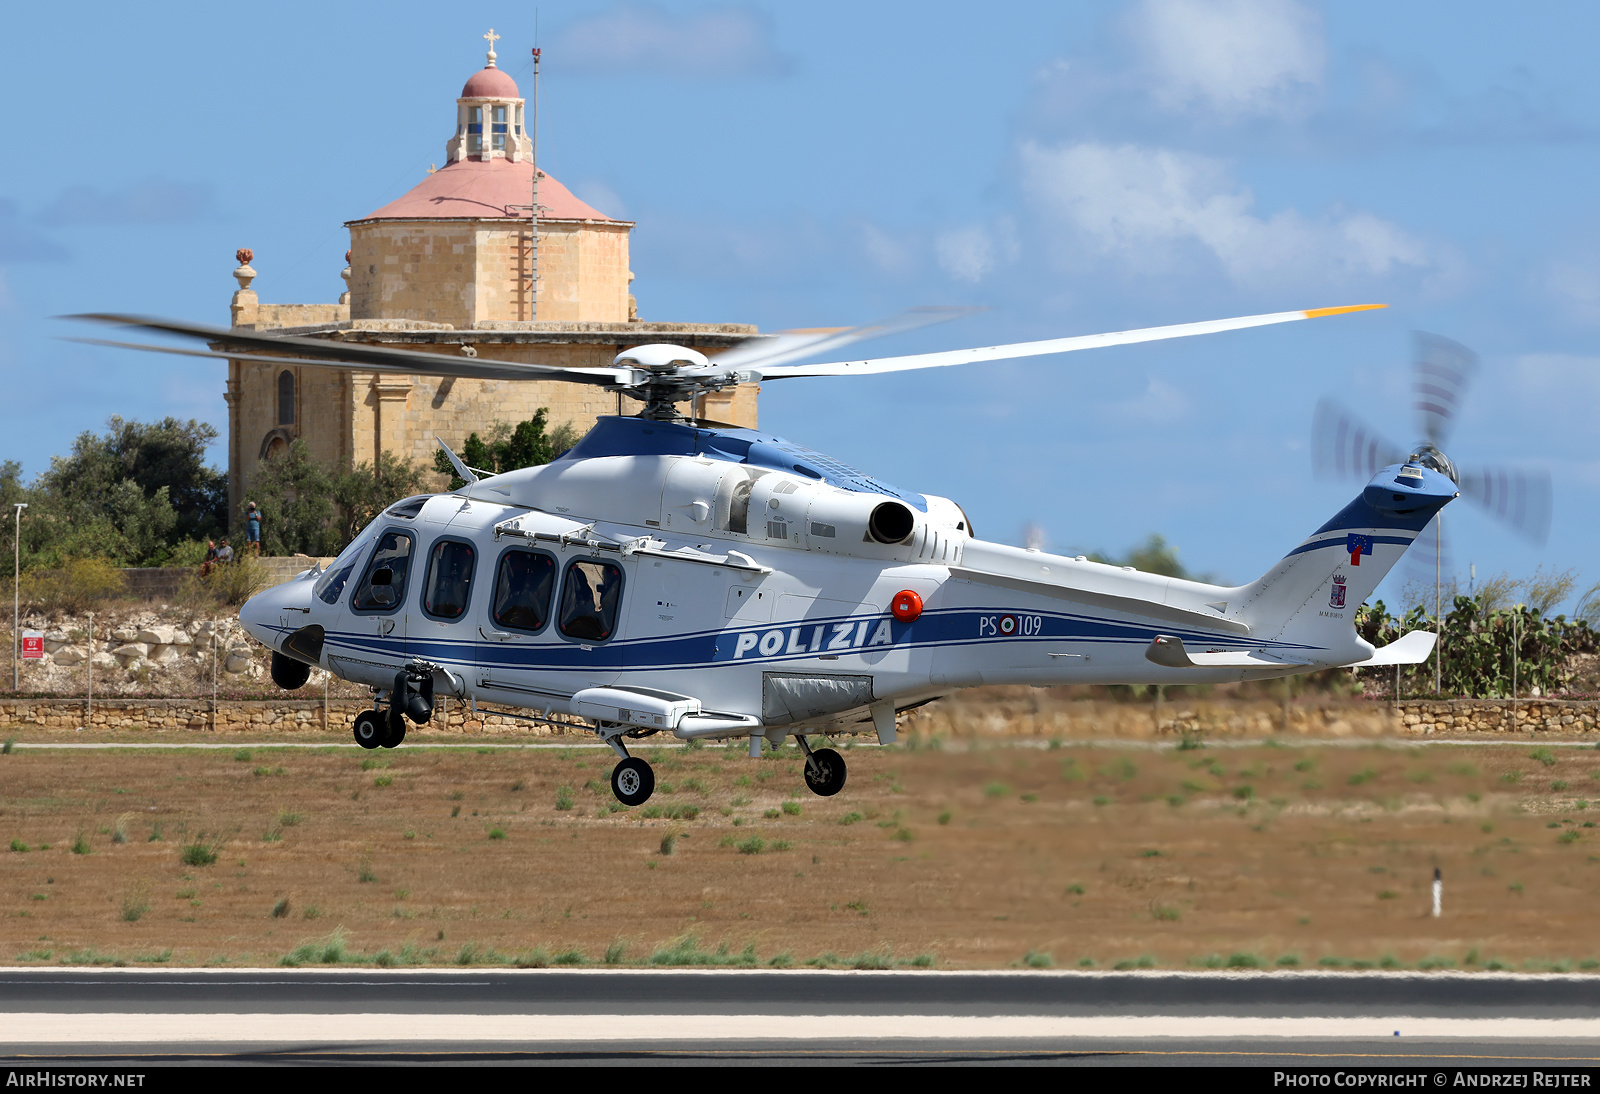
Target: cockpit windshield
[[332, 582]]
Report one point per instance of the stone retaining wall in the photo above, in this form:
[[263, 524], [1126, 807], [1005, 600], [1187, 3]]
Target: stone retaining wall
[[970, 715], [1023, 712], [158, 716]]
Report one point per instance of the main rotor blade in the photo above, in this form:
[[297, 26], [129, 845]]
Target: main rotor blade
[[1520, 498], [463, 368], [1444, 371], [263, 348], [763, 353], [1050, 345], [1342, 446]]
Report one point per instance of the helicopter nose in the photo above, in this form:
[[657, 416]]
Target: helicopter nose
[[273, 614]]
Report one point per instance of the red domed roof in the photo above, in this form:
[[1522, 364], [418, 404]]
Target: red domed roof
[[486, 189], [490, 83]]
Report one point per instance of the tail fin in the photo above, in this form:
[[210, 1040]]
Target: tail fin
[[1310, 597]]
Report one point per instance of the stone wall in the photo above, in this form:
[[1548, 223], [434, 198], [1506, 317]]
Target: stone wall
[[966, 717], [160, 716], [1025, 712]]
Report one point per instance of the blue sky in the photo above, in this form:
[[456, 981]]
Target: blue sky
[[1073, 168]]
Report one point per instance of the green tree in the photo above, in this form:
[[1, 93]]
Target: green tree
[[508, 448], [368, 489], [312, 507], [1154, 556], [294, 492]]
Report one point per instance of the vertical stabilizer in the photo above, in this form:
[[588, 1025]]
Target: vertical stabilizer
[[1310, 597]]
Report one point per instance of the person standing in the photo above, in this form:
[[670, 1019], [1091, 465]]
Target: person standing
[[252, 528]]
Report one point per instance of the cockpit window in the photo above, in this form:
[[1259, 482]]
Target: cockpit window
[[448, 585], [383, 585], [589, 600], [408, 508], [523, 590], [332, 582]]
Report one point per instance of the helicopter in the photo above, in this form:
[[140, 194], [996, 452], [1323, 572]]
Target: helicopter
[[671, 575]]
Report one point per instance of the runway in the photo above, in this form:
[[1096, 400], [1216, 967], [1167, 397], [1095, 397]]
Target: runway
[[125, 1017]]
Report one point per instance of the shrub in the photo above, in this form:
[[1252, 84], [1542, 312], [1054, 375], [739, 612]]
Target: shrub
[[18, 845], [76, 586], [669, 843], [793, 809], [281, 908], [1036, 959], [80, 845], [135, 901], [198, 854], [752, 846]]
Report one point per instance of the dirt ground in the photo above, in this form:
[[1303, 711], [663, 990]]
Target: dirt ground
[[988, 857]]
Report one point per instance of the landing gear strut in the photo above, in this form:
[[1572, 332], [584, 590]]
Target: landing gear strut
[[825, 770]]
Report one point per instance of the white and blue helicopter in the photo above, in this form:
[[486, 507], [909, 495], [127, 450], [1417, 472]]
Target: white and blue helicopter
[[669, 575]]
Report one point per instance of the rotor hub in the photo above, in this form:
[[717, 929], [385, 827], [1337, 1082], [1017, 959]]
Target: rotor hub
[[1429, 455]]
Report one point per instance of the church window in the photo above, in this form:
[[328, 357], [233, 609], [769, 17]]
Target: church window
[[286, 398], [500, 129], [445, 592], [523, 590], [475, 130], [589, 600]]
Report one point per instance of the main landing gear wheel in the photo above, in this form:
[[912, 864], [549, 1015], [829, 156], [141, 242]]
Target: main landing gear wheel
[[825, 772], [394, 730], [632, 781], [371, 728]]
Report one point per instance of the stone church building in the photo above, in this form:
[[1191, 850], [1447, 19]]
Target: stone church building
[[453, 266]]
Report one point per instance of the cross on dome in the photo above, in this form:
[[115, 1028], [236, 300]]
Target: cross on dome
[[492, 39]]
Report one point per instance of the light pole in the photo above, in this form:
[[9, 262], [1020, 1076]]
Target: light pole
[[16, 584]]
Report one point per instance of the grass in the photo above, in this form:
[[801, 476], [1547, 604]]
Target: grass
[[1036, 959], [948, 883], [198, 854]]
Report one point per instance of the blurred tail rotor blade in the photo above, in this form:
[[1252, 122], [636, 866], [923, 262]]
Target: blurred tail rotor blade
[[1444, 371], [1517, 497], [1343, 447]]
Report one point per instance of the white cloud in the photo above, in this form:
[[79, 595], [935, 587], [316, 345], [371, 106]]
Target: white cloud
[[602, 197], [1232, 57], [715, 43], [973, 252], [1159, 404], [1576, 287], [1153, 210], [966, 254]]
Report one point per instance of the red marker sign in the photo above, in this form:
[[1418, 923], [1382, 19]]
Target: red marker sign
[[32, 645]]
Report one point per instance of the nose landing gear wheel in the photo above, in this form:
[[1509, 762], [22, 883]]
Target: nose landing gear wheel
[[632, 781], [370, 729], [825, 774]]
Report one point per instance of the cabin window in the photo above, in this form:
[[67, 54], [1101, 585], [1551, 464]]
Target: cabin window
[[523, 589], [589, 600], [286, 398], [383, 586], [739, 510], [448, 586]]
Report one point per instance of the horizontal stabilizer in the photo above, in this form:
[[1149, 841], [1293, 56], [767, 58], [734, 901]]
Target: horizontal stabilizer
[[1408, 649], [1169, 652]]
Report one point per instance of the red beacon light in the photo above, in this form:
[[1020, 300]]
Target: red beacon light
[[906, 606]]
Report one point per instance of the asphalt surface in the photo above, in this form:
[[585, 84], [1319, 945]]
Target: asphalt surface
[[126, 1017]]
